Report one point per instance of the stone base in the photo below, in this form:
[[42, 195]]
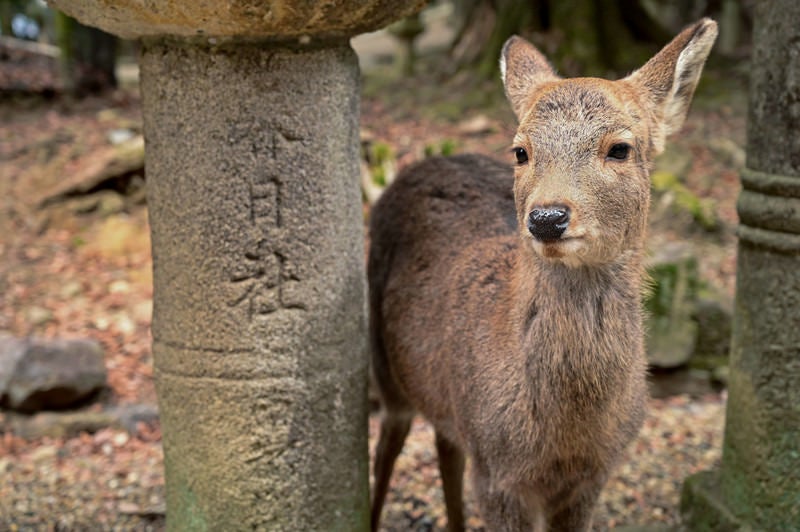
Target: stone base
[[703, 509]]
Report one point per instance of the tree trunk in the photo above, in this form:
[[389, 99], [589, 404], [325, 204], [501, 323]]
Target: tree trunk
[[88, 57], [730, 26], [583, 37], [6, 14]]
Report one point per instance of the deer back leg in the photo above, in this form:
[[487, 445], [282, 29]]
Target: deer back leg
[[393, 432], [451, 467]]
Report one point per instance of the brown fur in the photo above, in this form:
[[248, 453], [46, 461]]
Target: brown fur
[[526, 355]]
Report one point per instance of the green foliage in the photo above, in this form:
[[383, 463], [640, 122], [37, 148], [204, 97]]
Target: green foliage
[[381, 159], [671, 282], [444, 148], [702, 210], [671, 331], [447, 147]]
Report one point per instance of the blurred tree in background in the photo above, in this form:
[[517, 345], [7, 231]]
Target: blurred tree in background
[[87, 55], [588, 37]]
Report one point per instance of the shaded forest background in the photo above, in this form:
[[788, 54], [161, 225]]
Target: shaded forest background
[[581, 37]]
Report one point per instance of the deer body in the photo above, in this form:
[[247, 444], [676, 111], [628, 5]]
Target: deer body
[[505, 303]]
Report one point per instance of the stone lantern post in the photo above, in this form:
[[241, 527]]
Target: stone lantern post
[[758, 485], [251, 128]]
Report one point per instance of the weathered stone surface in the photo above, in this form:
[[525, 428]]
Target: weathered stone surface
[[250, 112], [238, 18], [772, 142], [703, 508], [758, 485], [51, 374], [760, 478], [258, 318]]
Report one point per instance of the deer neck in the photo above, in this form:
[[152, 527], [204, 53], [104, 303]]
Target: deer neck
[[577, 316]]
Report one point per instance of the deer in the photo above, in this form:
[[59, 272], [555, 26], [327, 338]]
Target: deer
[[505, 301]]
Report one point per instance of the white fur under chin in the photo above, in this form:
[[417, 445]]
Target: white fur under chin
[[570, 250]]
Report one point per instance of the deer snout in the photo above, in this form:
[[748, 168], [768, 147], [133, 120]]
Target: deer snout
[[548, 223]]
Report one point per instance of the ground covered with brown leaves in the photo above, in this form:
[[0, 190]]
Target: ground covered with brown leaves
[[67, 273]]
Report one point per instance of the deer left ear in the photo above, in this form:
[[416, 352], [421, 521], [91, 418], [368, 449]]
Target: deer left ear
[[671, 76], [523, 68]]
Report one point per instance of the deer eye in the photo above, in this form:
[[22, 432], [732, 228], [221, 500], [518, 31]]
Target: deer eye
[[521, 155], [619, 152]]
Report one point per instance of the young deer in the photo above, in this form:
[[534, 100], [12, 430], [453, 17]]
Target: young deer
[[520, 337]]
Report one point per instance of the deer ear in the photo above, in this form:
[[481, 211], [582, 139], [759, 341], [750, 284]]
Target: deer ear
[[523, 67], [670, 77]]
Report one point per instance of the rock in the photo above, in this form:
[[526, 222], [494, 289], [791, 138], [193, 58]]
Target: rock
[[477, 125], [714, 325], [120, 286], [120, 135], [60, 424], [11, 351], [695, 383], [53, 374], [36, 315], [128, 416], [142, 312], [118, 235], [720, 375], [688, 323], [109, 202], [111, 164], [671, 331], [71, 424], [71, 289], [103, 202]]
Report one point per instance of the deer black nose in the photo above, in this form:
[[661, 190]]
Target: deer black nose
[[548, 223]]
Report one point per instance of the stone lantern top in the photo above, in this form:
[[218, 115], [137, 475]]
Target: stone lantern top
[[247, 19]]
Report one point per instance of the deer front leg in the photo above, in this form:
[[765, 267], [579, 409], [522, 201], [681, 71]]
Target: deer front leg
[[573, 512], [504, 511]]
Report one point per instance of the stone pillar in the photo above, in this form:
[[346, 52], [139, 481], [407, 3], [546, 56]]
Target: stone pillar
[[258, 325], [250, 117], [758, 485]]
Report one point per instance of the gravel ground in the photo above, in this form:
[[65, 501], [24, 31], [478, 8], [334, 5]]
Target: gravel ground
[[111, 481], [103, 481]]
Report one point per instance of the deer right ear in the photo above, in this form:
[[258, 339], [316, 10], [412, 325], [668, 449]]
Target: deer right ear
[[523, 67], [670, 77]]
